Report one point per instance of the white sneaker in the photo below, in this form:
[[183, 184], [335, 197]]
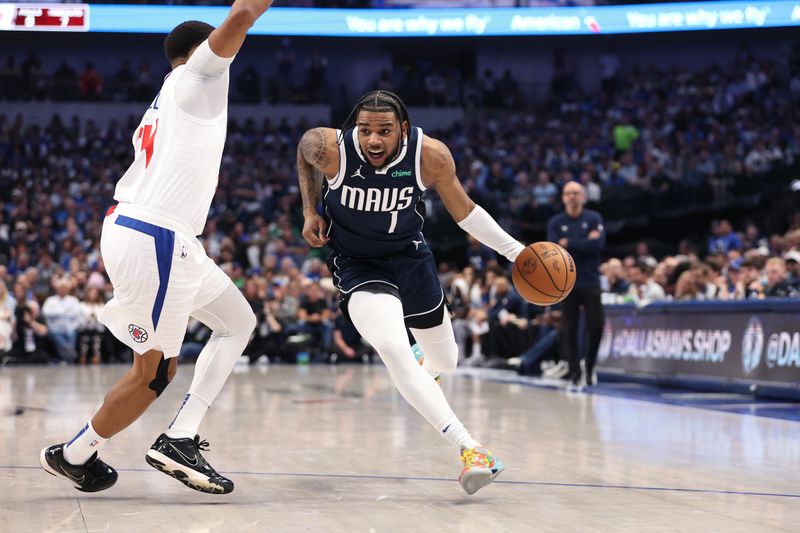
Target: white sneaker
[[557, 371]]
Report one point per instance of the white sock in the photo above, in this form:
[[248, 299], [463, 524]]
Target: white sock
[[187, 421], [83, 445], [455, 433]]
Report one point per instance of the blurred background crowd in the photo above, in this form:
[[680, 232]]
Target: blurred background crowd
[[690, 168]]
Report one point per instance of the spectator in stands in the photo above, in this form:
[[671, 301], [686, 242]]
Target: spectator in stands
[[643, 254], [348, 346], [436, 88], [616, 282], [594, 193], [314, 317], [643, 289], [63, 313], [29, 333], [91, 334], [544, 193], [268, 337], [723, 238], [122, 83], [65, 83], [479, 256], [143, 89], [35, 78], [749, 285], [625, 134], [792, 258], [285, 57], [777, 283], [11, 83], [248, 83], [753, 238], [609, 70], [686, 288], [508, 321], [317, 69], [91, 83], [7, 306], [545, 345]]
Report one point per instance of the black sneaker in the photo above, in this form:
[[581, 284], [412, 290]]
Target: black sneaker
[[92, 476], [181, 459]]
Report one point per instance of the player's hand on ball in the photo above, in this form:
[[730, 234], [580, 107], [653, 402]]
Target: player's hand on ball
[[314, 230]]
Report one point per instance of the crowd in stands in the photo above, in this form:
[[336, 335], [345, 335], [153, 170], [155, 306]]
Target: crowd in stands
[[652, 131], [297, 77]]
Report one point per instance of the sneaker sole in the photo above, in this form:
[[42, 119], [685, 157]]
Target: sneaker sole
[[474, 480], [190, 478], [55, 473]]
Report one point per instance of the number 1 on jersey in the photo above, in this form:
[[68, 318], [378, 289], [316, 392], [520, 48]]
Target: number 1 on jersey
[[393, 223]]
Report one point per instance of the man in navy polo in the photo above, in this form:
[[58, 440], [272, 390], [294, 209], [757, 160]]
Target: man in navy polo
[[581, 232]]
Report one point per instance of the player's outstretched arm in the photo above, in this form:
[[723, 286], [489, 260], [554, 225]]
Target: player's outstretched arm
[[227, 39], [439, 172], [317, 156]]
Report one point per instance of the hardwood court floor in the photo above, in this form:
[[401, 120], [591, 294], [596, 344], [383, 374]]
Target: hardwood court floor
[[337, 449]]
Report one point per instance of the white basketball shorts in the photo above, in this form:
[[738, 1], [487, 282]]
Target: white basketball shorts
[[160, 273]]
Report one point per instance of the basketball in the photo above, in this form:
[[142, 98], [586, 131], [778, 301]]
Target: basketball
[[544, 273]]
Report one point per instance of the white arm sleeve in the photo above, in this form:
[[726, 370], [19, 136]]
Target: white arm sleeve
[[202, 90], [483, 227]]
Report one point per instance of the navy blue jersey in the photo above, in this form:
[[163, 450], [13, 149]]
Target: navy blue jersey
[[585, 251], [375, 212]]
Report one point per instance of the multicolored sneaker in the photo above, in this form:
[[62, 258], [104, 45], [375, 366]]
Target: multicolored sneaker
[[480, 469], [420, 357]]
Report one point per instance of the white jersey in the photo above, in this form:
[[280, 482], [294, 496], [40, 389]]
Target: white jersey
[[179, 143]]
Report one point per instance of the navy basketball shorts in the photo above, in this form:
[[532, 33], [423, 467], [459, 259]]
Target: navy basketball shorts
[[410, 276]]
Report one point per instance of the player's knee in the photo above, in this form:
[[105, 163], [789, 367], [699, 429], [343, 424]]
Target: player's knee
[[447, 356], [390, 349], [172, 369], [239, 324], [163, 375], [250, 322]]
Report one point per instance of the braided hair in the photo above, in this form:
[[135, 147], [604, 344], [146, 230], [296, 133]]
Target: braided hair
[[378, 101]]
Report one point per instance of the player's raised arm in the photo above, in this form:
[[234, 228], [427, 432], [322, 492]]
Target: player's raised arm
[[226, 40], [317, 156], [439, 172]]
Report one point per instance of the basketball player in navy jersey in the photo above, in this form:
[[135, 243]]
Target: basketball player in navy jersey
[[372, 175]]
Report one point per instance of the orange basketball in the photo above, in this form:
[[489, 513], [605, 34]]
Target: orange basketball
[[544, 273]]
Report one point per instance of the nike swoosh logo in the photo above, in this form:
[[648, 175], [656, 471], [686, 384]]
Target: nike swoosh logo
[[445, 429], [76, 480], [191, 460]]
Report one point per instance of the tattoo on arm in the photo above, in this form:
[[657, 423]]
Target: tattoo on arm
[[311, 155], [314, 147]]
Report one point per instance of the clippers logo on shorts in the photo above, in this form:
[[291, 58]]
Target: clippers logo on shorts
[[137, 333], [752, 345]]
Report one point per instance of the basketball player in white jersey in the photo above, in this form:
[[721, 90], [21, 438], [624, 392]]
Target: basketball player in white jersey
[[159, 269]]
